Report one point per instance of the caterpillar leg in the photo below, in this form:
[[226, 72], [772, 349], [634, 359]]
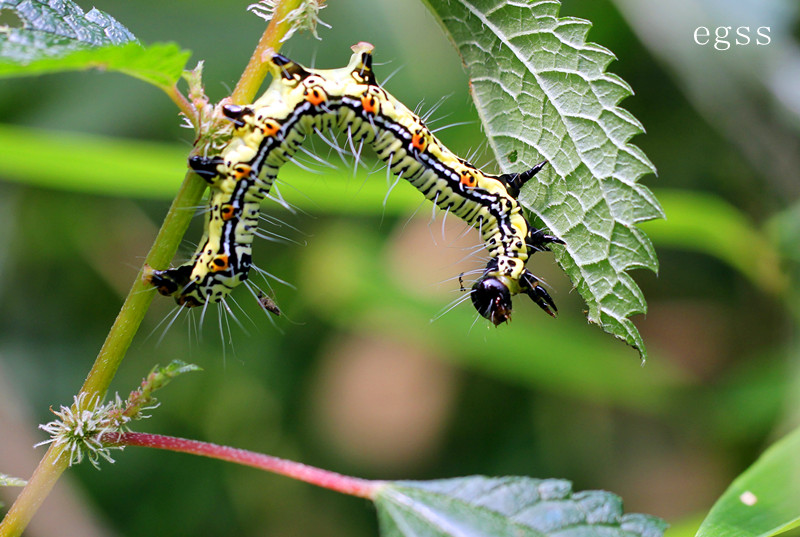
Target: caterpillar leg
[[515, 181], [205, 167], [538, 240], [532, 287]]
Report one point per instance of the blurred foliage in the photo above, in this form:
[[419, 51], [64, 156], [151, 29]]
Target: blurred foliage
[[355, 378]]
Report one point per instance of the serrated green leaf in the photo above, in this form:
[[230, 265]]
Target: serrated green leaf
[[542, 92], [58, 36], [764, 500], [479, 506], [65, 19], [9, 481]]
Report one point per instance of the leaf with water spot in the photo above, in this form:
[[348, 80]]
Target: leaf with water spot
[[764, 499]]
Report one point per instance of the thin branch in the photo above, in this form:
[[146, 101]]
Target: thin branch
[[183, 104], [353, 486], [111, 354]]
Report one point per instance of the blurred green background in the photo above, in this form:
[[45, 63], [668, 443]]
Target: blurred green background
[[355, 378]]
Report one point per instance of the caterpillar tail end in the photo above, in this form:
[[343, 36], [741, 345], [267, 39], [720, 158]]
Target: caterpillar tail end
[[172, 282]]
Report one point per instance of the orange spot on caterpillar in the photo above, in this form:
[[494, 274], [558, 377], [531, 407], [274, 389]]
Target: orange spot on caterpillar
[[219, 263], [241, 170], [419, 142], [227, 212], [369, 104], [468, 179], [271, 127], [315, 96]]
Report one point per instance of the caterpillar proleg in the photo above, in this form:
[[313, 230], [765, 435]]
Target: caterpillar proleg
[[301, 101]]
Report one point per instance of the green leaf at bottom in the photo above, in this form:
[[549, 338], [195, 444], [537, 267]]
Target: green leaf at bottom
[[479, 506], [764, 500]]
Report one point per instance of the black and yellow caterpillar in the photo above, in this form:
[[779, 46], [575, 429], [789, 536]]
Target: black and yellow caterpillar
[[300, 101]]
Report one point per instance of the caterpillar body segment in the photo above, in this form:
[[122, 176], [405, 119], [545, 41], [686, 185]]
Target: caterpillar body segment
[[223, 258], [301, 101]]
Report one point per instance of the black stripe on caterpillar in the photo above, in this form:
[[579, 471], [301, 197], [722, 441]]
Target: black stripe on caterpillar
[[300, 101]]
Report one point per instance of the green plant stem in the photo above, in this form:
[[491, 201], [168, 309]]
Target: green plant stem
[[257, 68], [138, 300], [353, 486], [112, 352], [140, 295]]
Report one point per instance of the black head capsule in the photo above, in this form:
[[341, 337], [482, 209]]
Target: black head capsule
[[492, 299]]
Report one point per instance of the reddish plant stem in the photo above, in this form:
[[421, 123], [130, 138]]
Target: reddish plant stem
[[183, 104], [353, 486]]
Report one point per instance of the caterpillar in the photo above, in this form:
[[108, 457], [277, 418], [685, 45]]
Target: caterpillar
[[299, 101]]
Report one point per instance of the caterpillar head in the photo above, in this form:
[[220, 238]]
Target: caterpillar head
[[492, 299]]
